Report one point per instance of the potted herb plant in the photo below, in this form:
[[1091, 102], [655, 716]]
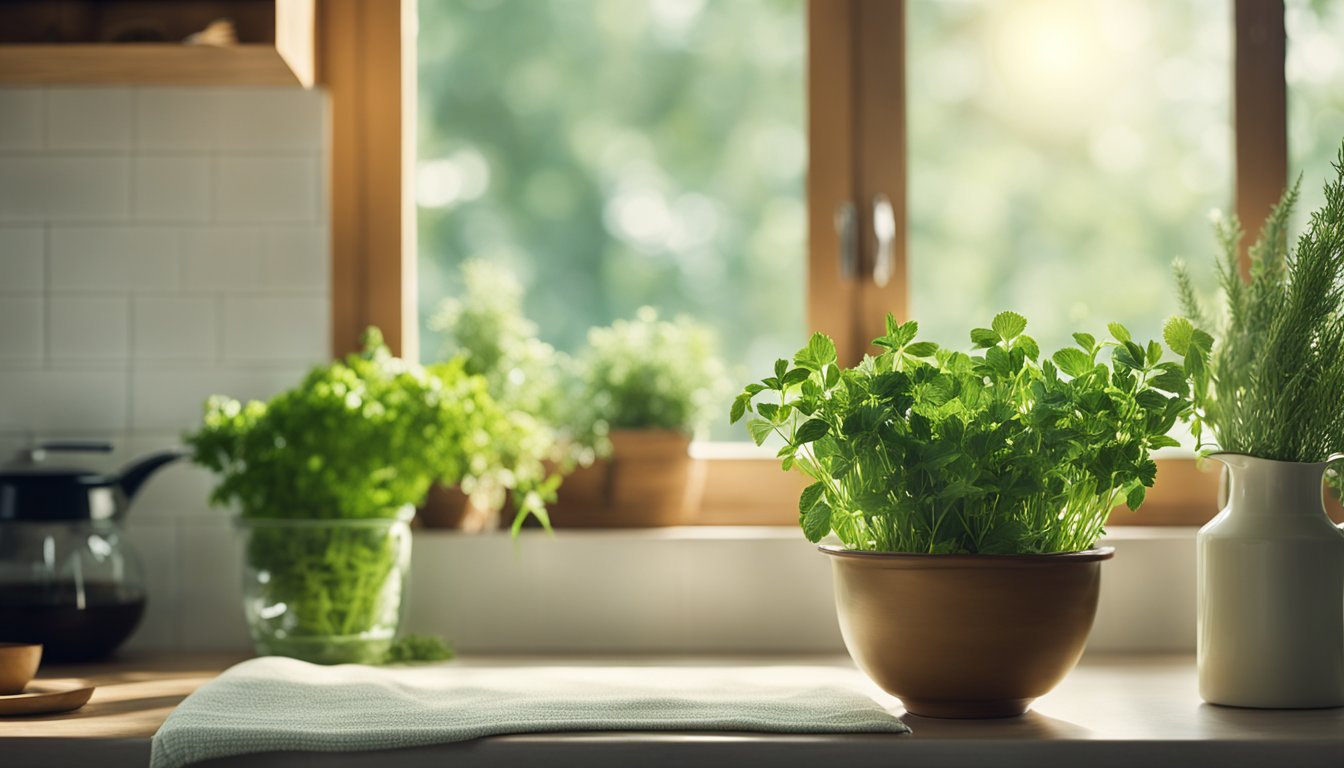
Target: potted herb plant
[[325, 476], [1270, 390], [654, 383], [967, 492], [551, 431]]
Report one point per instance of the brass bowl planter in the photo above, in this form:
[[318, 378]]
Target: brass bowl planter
[[965, 636]]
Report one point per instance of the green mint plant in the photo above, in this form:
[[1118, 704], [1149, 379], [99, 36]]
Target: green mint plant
[[648, 373], [1271, 384], [925, 449]]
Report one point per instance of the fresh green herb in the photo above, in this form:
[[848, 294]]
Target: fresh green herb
[[1273, 383], [357, 440], [536, 384], [412, 649], [925, 449], [648, 373]]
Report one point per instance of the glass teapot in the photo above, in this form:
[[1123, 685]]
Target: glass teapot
[[68, 577]]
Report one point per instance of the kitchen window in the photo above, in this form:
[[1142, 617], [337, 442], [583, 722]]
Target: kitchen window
[[967, 152]]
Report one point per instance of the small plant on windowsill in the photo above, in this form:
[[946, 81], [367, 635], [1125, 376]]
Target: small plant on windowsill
[[1269, 387], [654, 383], [553, 429], [325, 476], [969, 490]]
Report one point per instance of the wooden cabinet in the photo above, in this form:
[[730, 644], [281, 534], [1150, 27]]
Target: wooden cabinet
[[139, 42]]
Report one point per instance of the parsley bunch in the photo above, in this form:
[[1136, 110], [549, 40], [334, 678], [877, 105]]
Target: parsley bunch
[[925, 449]]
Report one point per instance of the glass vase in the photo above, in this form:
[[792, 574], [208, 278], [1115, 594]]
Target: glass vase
[[325, 591]]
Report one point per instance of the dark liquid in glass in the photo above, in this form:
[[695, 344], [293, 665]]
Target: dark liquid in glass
[[50, 614]]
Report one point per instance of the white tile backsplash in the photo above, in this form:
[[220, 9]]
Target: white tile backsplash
[[267, 328], [89, 328], [52, 187], [266, 189], [22, 259], [172, 188], [71, 401], [176, 119], [22, 329], [22, 120], [116, 258], [89, 118], [175, 328], [159, 245], [268, 119]]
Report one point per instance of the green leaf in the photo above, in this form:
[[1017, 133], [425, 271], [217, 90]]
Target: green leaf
[[1163, 441], [809, 498], [1134, 499], [819, 352], [905, 333], [1073, 362], [1178, 333], [811, 430], [1154, 353], [1087, 341], [1201, 340], [1009, 324], [780, 367], [795, 376], [769, 411], [760, 429], [921, 349], [1028, 346], [1119, 332], [739, 408], [983, 338], [816, 522]]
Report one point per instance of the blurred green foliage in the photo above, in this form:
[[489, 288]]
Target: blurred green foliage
[[618, 154]]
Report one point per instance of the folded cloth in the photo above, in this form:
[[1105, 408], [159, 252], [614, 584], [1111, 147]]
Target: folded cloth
[[276, 704]]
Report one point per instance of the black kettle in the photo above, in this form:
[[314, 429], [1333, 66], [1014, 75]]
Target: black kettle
[[68, 577]]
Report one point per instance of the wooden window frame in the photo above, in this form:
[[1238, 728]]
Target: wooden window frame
[[857, 150]]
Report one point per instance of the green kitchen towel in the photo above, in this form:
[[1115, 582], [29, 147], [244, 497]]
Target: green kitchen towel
[[276, 704]]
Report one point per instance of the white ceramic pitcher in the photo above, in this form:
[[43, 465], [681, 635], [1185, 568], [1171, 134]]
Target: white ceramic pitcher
[[1271, 591]]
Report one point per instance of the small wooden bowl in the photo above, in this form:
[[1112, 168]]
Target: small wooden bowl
[[18, 665]]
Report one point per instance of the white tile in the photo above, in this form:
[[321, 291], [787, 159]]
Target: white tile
[[21, 118], [174, 399], [266, 189], [73, 400], [155, 543], [89, 327], [271, 119], [172, 188], [114, 258], [21, 328], [177, 491], [221, 259], [174, 328], [176, 118], [22, 259], [89, 118], [64, 188], [276, 328], [210, 582], [296, 259]]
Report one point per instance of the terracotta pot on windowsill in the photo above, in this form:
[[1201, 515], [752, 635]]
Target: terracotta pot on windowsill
[[451, 509], [650, 480], [965, 636]]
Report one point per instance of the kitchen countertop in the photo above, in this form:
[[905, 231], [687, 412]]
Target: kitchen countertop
[[1113, 710]]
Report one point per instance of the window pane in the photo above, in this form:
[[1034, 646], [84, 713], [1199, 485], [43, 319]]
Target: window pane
[[1315, 74], [1062, 153], [619, 154]]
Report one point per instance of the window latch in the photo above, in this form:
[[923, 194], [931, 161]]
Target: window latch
[[847, 227], [884, 228]]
